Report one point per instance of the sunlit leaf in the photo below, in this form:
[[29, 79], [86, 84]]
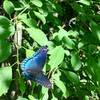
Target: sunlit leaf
[[5, 79], [46, 96], [60, 84], [95, 28], [73, 77], [5, 50], [29, 52], [37, 3], [86, 2], [75, 61], [22, 86], [38, 35], [6, 28], [31, 97], [40, 16], [53, 97], [56, 57], [60, 34], [8, 6], [68, 42], [86, 97], [21, 98], [28, 21]]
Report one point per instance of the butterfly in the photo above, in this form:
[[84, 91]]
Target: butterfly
[[32, 67]]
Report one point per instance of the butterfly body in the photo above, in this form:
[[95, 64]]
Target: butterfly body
[[32, 67]]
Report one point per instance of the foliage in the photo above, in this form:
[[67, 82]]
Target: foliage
[[70, 29]]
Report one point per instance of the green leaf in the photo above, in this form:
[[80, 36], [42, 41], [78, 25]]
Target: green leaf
[[80, 44], [37, 3], [50, 45], [73, 77], [29, 52], [22, 84], [60, 84], [68, 42], [5, 79], [45, 93], [94, 65], [31, 97], [56, 57], [72, 33], [62, 31], [95, 28], [21, 98], [8, 7], [53, 97], [6, 28], [40, 16], [60, 34], [86, 2], [67, 52], [28, 21], [43, 12], [5, 50], [86, 97], [75, 61], [38, 35], [46, 96]]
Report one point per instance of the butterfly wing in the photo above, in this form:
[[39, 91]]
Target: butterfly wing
[[32, 67], [30, 63], [36, 62], [43, 80]]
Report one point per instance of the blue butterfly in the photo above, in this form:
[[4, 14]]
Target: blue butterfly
[[32, 67]]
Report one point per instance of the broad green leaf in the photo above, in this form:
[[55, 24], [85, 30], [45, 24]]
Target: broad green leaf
[[72, 33], [60, 84], [86, 97], [56, 57], [75, 61], [31, 97], [93, 63], [29, 52], [38, 35], [60, 34], [22, 84], [46, 96], [53, 97], [5, 79], [8, 6], [28, 21], [40, 16], [21, 98], [64, 34], [62, 31], [67, 52], [45, 93], [22, 16], [68, 42], [73, 77], [37, 3], [44, 90], [43, 12], [5, 50], [86, 2], [80, 45], [6, 28], [95, 28], [50, 45]]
